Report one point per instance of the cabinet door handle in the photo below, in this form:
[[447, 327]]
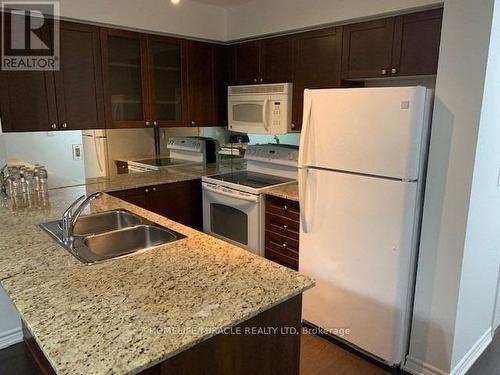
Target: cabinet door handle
[[147, 190], [394, 71], [193, 123], [383, 72], [154, 189], [255, 79], [155, 123], [53, 125], [64, 125], [285, 208], [293, 126], [262, 80], [284, 246], [147, 123], [285, 227]]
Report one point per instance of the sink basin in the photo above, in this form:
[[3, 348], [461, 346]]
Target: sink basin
[[104, 222], [112, 234], [125, 241]]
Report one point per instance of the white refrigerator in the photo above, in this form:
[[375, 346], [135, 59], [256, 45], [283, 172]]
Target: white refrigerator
[[362, 163], [95, 153]]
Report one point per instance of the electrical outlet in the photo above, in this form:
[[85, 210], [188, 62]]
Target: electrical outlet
[[77, 152]]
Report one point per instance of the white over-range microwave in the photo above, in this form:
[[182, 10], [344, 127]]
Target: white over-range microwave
[[260, 109]]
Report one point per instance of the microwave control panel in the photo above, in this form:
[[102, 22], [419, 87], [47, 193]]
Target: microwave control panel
[[276, 113]]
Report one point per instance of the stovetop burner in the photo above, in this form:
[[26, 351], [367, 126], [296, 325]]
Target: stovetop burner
[[251, 179]]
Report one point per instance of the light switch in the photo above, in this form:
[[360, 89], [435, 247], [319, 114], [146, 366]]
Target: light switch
[[405, 104], [77, 152]]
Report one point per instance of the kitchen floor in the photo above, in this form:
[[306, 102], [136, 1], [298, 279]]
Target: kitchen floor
[[318, 357]]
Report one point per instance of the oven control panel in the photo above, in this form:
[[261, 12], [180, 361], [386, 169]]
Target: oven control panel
[[271, 153]]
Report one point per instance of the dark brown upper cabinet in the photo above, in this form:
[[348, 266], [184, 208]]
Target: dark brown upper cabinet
[[367, 49], [68, 99], [317, 65], [167, 81], [416, 43], [246, 63], [264, 61], [406, 45], [79, 91], [144, 79], [277, 60], [125, 74], [206, 76]]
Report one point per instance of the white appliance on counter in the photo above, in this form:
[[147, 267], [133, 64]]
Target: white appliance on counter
[[260, 109], [362, 161], [95, 153], [233, 203], [183, 151]]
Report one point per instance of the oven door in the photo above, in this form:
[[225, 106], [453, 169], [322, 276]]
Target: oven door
[[233, 216], [249, 113]]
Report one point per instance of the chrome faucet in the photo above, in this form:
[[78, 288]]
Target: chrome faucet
[[70, 218]]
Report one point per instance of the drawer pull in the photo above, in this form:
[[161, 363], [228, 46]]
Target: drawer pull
[[285, 227], [285, 208], [284, 246]]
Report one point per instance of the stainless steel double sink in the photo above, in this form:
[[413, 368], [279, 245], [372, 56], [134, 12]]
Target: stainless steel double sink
[[111, 234]]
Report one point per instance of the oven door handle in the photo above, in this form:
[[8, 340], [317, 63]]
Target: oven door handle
[[247, 198]]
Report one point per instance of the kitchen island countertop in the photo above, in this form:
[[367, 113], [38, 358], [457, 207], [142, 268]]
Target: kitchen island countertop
[[126, 315]]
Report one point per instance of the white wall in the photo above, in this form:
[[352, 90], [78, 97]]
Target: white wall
[[188, 18], [439, 334], [51, 149], [481, 259], [260, 17]]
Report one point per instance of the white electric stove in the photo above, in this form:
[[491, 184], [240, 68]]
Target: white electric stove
[[233, 203], [183, 151]]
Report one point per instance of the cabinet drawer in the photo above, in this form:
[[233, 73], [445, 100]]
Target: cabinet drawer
[[282, 259], [284, 245], [282, 225], [283, 207]]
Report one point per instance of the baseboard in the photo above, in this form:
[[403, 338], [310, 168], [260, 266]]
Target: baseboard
[[11, 337], [417, 367], [473, 354]]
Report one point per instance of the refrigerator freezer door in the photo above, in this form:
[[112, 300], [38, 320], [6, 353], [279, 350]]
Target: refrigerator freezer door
[[374, 131], [359, 249]]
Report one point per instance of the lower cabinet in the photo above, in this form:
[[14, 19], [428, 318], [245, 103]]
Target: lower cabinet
[[282, 231], [179, 201]]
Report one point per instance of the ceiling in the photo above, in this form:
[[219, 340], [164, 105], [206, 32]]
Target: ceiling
[[224, 3]]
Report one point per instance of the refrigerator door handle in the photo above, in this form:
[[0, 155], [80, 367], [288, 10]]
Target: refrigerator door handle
[[303, 172], [304, 139]]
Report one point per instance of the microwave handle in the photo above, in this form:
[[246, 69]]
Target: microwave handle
[[264, 114]]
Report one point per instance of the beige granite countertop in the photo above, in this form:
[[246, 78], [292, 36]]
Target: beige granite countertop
[[163, 176], [287, 191], [123, 316]]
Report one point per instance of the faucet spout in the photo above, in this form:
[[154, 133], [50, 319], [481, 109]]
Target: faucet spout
[[70, 218]]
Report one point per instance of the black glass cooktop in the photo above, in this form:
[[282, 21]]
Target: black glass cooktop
[[251, 179], [161, 162]]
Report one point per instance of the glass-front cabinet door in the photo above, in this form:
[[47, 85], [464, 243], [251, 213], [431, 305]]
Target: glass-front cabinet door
[[125, 72], [167, 81]]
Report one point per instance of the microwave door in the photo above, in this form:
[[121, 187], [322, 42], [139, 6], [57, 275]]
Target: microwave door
[[249, 115]]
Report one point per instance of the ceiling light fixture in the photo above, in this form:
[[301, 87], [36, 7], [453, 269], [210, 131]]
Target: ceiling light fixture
[[175, 2]]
